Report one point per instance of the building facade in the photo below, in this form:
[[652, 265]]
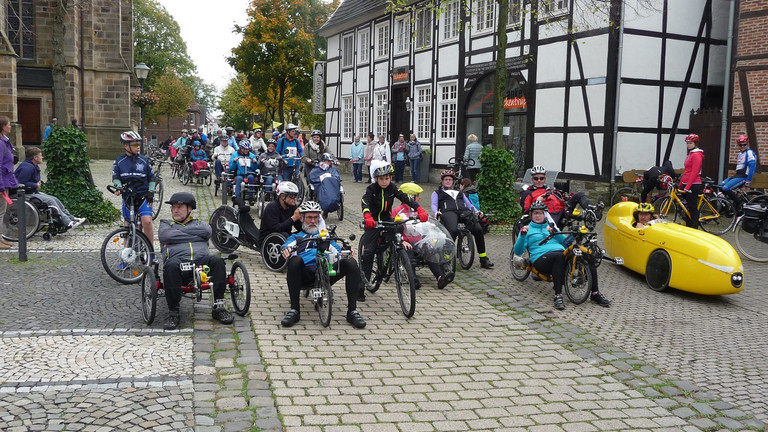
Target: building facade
[[582, 96]]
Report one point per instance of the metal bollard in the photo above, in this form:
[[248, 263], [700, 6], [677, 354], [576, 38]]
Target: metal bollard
[[21, 211]]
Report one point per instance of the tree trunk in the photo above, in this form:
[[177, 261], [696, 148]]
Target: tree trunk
[[281, 102], [500, 79], [58, 68]]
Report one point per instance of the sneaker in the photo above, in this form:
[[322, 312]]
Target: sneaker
[[222, 315], [361, 296], [354, 318], [485, 262], [291, 318], [559, 304], [77, 222], [173, 321], [71, 225], [600, 300], [445, 279]]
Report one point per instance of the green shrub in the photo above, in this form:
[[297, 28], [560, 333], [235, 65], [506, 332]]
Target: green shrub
[[495, 185], [67, 166]]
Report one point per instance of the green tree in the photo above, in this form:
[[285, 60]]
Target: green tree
[[174, 96], [233, 106]]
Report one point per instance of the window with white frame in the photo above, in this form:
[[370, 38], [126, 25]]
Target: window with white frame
[[484, 15], [447, 94], [347, 118], [363, 46], [402, 35], [382, 40], [382, 113], [553, 7], [423, 29], [362, 115], [450, 20], [348, 51], [423, 112], [514, 17]]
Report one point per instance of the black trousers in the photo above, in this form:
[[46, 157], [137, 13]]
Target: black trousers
[[172, 278], [299, 276], [692, 205], [450, 219]]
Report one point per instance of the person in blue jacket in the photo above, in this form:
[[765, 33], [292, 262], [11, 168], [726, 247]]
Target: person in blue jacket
[[134, 170], [244, 165], [356, 156], [199, 159], [289, 145], [746, 165], [548, 258]]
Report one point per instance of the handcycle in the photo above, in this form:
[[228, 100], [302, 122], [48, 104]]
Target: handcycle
[[465, 241], [431, 243], [716, 215], [195, 281], [391, 258], [39, 216], [296, 177], [126, 250], [266, 193], [582, 252], [327, 190], [321, 290], [203, 175]]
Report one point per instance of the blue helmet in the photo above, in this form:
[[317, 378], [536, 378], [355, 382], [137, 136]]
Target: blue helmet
[[244, 144]]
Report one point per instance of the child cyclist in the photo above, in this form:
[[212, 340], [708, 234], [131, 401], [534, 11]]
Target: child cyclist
[[377, 206]]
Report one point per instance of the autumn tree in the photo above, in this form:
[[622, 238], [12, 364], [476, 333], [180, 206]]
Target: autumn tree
[[174, 96], [235, 113]]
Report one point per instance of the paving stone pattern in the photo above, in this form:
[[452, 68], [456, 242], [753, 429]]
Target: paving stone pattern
[[486, 353]]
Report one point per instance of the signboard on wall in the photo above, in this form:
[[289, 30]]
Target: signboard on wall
[[400, 75], [318, 88]]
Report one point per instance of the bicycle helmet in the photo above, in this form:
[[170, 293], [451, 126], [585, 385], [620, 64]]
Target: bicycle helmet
[[310, 206], [742, 139], [664, 181], [692, 138], [327, 157], [447, 173], [275, 133], [129, 136], [317, 132], [184, 131], [291, 126], [411, 189], [244, 144], [383, 170], [257, 130], [537, 205], [287, 187], [272, 141], [538, 169], [642, 208], [196, 143], [229, 129], [183, 198]]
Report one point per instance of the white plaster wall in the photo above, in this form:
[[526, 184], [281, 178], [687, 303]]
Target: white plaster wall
[[643, 18], [672, 98], [638, 106], [551, 62], [579, 154], [642, 57], [448, 63], [549, 107], [484, 41], [363, 79], [422, 66], [677, 63], [548, 150], [576, 109], [684, 16], [347, 82], [594, 56]]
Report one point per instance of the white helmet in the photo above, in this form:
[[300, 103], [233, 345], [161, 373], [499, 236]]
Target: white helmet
[[310, 206], [287, 188], [291, 126], [538, 169]]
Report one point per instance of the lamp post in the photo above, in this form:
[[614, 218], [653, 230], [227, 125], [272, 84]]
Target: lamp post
[[142, 71]]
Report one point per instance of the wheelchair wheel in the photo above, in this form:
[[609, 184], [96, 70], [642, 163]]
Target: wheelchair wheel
[[220, 237], [300, 185], [465, 248], [271, 255], [208, 178], [158, 200], [11, 221], [187, 175], [340, 211], [405, 283], [261, 203], [324, 301], [122, 260], [239, 285], [518, 272], [148, 294], [578, 280]]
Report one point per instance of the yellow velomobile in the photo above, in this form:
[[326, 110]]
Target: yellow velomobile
[[672, 255]]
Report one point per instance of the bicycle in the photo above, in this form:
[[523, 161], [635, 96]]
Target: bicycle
[[465, 244], [296, 177], [751, 230], [238, 284], [321, 290], [158, 201], [458, 166], [127, 249], [716, 215], [629, 193], [390, 255]]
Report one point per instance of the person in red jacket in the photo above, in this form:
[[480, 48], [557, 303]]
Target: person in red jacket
[[690, 182]]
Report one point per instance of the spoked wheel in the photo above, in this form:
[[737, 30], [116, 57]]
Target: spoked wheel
[[239, 285], [174, 170], [751, 245], [220, 237], [625, 194], [300, 185], [157, 204], [261, 203], [718, 216], [208, 179], [323, 294], [216, 188], [578, 280], [405, 283], [124, 259], [340, 211], [148, 294], [11, 221], [667, 208], [465, 247], [181, 172], [187, 175], [377, 272], [519, 266]]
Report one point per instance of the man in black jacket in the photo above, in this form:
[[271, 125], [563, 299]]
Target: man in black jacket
[[283, 214]]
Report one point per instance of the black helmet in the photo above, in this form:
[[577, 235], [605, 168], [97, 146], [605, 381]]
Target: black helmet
[[538, 205], [183, 198]]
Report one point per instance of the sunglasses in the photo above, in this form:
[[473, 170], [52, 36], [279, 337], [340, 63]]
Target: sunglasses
[[743, 145], [135, 144], [538, 178]]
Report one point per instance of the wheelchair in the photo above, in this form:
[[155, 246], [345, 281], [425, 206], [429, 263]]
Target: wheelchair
[[39, 216], [194, 282]]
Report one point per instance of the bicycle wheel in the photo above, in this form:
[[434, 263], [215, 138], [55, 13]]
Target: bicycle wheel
[[148, 294], [300, 185], [187, 175], [261, 200], [174, 170], [667, 209], [181, 172], [405, 283], [208, 178], [11, 221], [465, 248], [520, 270], [377, 273], [123, 256], [751, 245], [625, 194], [220, 237], [322, 293], [340, 211], [157, 204], [578, 280], [759, 199], [239, 285], [716, 215]]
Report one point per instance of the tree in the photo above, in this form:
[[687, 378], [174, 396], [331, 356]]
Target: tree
[[235, 112], [174, 96], [279, 46]]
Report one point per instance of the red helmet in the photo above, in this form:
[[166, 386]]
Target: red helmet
[[447, 173], [742, 139], [692, 137], [664, 181]]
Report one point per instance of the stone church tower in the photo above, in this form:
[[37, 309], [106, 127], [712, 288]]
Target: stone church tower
[[97, 49]]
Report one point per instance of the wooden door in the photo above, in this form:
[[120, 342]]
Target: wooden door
[[401, 117], [29, 118]]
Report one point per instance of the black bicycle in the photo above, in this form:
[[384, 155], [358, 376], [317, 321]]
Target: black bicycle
[[126, 251]]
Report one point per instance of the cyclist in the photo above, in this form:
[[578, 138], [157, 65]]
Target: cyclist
[[400, 155], [181, 144], [269, 161], [302, 262], [282, 214], [199, 159], [690, 182], [746, 164], [221, 155], [377, 206], [243, 164], [548, 258], [134, 170], [183, 239], [231, 135], [539, 191], [289, 146], [452, 206], [258, 145], [313, 150], [643, 215]]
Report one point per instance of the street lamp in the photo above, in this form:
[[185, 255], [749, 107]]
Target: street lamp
[[142, 71]]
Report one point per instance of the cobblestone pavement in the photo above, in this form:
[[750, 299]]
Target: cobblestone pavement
[[486, 353]]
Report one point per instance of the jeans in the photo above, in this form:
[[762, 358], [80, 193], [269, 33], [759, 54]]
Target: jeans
[[415, 169], [52, 201], [218, 168], [357, 171], [399, 169], [239, 179]]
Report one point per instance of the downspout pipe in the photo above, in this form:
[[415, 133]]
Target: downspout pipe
[[726, 92], [618, 105]]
